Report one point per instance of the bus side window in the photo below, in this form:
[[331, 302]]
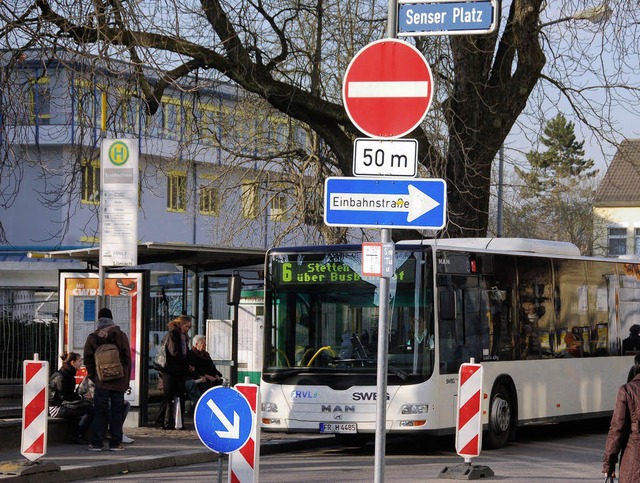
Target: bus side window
[[447, 305]]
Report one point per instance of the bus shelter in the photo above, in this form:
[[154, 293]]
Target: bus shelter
[[139, 301]]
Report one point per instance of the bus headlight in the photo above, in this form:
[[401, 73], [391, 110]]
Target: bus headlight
[[415, 409], [269, 407]]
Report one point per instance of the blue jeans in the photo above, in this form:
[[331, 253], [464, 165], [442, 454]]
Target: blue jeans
[[193, 391], [107, 404]]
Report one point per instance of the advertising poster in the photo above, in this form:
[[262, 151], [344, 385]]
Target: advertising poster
[[79, 306]]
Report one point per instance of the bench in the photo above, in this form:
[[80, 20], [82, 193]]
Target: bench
[[58, 432]]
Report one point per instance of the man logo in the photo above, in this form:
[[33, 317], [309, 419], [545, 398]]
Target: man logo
[[328, 408]]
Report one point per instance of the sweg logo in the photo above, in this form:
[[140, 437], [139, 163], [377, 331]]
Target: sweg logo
[[297, 394], [366, 396]]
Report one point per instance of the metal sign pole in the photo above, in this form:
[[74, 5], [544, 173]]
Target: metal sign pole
[[383, 321], [383, 363], [220, 458]]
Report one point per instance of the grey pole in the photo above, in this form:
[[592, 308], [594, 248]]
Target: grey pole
[[383, 319], [500, 185], [383, 364]]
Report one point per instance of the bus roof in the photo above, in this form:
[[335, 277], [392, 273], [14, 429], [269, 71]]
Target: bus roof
[[524, 245]]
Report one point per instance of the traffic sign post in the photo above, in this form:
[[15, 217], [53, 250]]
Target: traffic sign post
[[223, 419], [385, 203], [416, 18], [387, 89]]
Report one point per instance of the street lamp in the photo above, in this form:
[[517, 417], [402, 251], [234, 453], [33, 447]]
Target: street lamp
[[597, 14]]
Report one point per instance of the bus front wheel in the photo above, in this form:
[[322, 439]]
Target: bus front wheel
[[500, 417]]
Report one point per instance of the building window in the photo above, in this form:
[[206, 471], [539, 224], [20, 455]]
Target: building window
[[40, 101], [209, 200], [177, 191], [91, 181], [617, 241], [278, 208], [637, 241], [126, 114], [250, 200], [211, 124], [87, 105], [171, 117]]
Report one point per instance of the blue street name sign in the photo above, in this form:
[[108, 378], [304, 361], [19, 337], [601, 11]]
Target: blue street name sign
[[385, 203], [223, 419], [446, 18]]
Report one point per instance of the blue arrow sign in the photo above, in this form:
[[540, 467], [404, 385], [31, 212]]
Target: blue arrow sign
[[446, 18], [223, 419], [385, 203]]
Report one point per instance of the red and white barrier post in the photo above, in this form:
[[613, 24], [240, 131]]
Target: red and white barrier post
[[244, 464], [34, 408], [468, 424]]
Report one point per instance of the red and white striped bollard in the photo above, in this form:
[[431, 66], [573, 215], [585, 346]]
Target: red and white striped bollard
[[469, 423], [35, 397]]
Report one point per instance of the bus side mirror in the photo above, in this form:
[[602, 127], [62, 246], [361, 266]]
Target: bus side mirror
[[447, 305]]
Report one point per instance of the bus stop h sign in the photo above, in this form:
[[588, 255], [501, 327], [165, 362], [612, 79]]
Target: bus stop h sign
[[387, 89]]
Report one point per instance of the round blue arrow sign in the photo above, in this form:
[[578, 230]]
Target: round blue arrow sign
[[223, 419]]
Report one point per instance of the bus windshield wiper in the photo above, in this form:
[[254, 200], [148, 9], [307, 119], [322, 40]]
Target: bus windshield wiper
[[278, 376], [398, 372]]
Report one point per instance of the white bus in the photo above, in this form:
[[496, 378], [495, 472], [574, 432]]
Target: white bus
[[546, 324]]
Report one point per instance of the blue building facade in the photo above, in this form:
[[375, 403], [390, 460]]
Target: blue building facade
[[210, 169]]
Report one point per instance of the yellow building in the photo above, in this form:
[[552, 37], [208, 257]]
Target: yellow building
[[616, 208]]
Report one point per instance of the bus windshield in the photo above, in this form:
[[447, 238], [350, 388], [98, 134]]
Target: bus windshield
[[323, 315]]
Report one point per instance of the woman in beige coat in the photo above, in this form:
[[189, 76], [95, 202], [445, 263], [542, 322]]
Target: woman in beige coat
[[624, 432]]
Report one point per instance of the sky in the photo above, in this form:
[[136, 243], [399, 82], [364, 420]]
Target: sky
[[610, 47]]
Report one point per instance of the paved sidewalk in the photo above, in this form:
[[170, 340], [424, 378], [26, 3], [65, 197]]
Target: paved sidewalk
[[153, 448]]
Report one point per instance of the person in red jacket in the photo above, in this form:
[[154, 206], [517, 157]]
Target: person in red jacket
[[624, 432], [108, 399]]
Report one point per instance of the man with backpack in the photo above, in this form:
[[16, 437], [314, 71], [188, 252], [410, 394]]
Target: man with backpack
[[107, 357]]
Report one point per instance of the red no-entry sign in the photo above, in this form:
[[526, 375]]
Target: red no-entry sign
[[387, 88]]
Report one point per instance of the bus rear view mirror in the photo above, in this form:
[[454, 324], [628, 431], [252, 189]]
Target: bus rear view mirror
[[447, 305]]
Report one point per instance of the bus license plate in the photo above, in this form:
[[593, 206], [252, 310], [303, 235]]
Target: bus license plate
[[340, 428]]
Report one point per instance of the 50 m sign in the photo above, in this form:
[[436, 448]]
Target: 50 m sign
[[381, 157]]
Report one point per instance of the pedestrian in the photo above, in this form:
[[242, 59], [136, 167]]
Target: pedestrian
[[631, 344], [205, 374], [65, 402], [176, 371], [87, 389], [108, 398], [624, 432]]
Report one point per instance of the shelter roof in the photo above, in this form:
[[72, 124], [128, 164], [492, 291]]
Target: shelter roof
[[196, 257]]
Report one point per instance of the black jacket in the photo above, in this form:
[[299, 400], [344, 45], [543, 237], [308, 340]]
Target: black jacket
[[62, 386], [203, 364], [177, 356]]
